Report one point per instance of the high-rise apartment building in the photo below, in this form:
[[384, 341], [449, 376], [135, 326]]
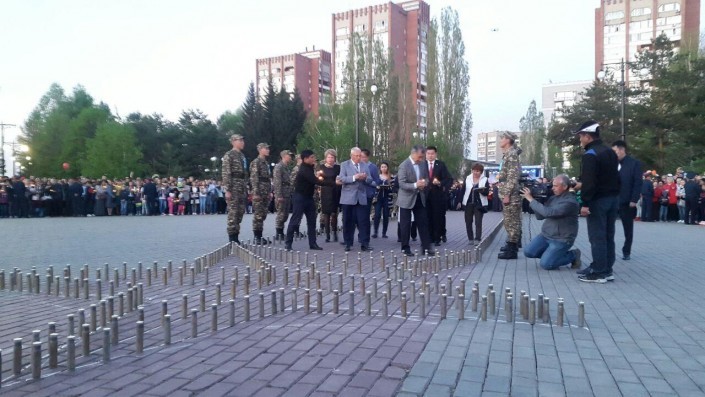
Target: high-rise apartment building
[[309, 72], [625, 27], [402, 28], [555, 97], [488, 149]]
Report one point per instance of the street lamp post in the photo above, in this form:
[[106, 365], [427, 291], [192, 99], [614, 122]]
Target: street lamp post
[[213, 160], [373, 89], [423, 135]]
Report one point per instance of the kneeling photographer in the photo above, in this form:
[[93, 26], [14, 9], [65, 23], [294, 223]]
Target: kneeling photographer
[[559, 229]]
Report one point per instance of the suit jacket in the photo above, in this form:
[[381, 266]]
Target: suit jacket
[[440, 172], [150, 190], [374, 174], [354, 191], [406, 177], [630, 178]]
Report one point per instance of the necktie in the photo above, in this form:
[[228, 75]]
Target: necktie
[[430, 171], [357, 167]]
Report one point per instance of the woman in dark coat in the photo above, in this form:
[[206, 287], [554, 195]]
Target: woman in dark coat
[[330, 193]]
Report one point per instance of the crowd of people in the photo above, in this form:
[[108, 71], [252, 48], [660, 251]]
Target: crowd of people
[[83, 197]]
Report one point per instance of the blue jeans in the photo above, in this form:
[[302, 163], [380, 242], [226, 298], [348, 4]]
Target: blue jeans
[[202, 204], [382, 213], [123, 207], [663, 213], [162, 205], [601, 225], [553, 253]]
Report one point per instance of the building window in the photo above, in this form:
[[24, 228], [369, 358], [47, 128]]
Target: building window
[[380, 26], [341, 31], [614, 15], [669, 7], [641, 11], [359, 28]]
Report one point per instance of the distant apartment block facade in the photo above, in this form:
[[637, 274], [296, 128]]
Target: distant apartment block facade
[[309, 72], [555, 97], [401, 27], [488, 149], [625, 27]]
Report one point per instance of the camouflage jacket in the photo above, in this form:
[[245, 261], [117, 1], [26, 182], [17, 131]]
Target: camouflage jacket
[[509, 173], [282, 181], [260, 178], [234, 171]]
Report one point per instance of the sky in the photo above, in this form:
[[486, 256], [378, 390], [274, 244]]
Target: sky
[[164, 56]]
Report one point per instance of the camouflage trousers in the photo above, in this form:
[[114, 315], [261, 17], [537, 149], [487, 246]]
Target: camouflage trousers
[[259, 213], [512, 221], [282, 212], [236, 209]]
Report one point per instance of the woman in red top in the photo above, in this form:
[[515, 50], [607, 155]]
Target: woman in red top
[[658, 190], [672, 199]]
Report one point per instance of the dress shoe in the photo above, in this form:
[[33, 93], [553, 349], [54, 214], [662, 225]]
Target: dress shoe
[[316, 248], [384, 236], [366, 248], [407, 252], [347, 248], [445, 240], [287, 247], [430, 252], [626, 257], [374, 235], [438, 243]]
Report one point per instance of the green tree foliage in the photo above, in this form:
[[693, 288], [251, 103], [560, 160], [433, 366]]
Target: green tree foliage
[[448, 81], [333, 129], [113, 152], [278, 121], [57, 130], [533, 137]]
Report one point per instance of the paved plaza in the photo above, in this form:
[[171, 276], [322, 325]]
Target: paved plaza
[[643, 334]]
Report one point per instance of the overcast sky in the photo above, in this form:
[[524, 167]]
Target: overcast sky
[[165, 56]]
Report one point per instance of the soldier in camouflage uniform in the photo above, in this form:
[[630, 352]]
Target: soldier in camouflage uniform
[[295, 172], [261, 183], [282, 191], [235, 185], [509, 174]]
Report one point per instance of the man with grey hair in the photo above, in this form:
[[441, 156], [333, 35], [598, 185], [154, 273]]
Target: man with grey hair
[[355, 178], [413, 198], [559, 229]]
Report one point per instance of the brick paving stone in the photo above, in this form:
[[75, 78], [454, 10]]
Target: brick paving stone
[[635, 342]]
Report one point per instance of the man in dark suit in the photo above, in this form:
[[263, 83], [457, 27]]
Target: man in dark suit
[[150, 194], [75, 192], [412, 198], [629, 191], [355, 178], [440, 180], [647, 194]]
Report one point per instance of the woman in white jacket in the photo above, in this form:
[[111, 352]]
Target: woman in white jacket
[[477, 187]]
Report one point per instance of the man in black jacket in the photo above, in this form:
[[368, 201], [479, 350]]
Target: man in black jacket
[[304, 186], [647, 194], [150, 195], [441, 180], [599, 187], [692, 193], [629, 191]]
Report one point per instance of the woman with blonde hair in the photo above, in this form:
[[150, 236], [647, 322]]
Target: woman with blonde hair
[[330, 193]]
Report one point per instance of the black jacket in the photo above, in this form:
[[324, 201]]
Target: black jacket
[[440, 172], [150, 190], [599, 175], [630, 179], [647, 189], [692, 190], [306, 181]]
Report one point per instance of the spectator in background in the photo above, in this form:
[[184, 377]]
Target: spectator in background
[[647, 195], [629, 191]]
